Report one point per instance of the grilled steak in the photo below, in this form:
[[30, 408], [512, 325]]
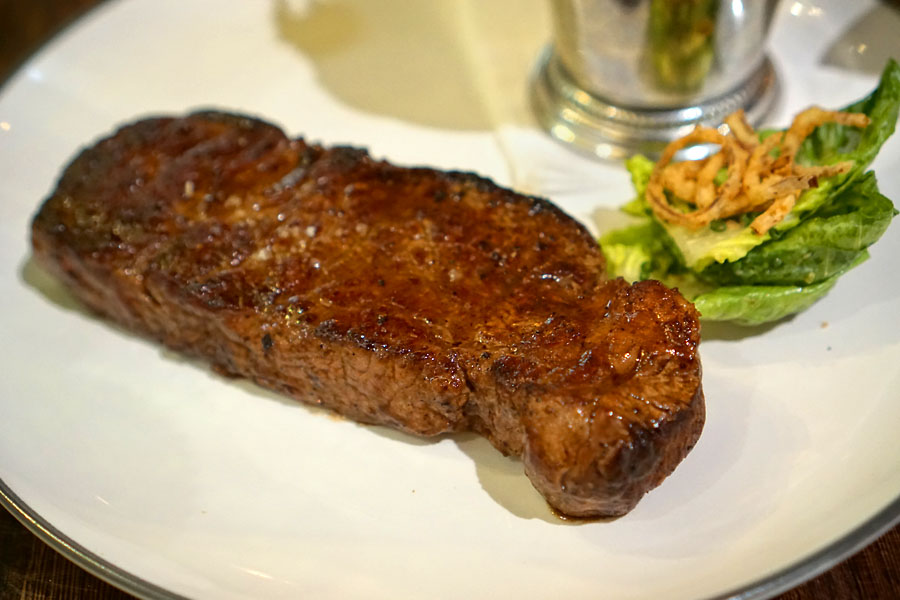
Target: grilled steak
[[427, 301]]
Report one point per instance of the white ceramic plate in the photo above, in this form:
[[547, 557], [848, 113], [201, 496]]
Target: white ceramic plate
[[170, 481]]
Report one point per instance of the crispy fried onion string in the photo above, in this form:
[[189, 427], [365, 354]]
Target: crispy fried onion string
[[760, 176]]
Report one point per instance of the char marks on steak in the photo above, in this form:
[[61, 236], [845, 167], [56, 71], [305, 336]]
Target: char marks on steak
[[424, 300]]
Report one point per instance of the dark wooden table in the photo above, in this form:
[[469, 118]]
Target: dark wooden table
[[31, 570]]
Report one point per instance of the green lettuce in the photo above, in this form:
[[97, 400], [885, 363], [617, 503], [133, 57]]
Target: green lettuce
[[758, 304], [831, 143], [821, 246], [639, 251], [732, 274], [640, 168]]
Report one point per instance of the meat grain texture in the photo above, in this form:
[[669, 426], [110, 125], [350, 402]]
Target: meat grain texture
[[423, 300]]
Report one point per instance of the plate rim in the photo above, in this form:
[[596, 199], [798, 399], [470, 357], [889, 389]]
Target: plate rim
[[91, 562], [767, 586]]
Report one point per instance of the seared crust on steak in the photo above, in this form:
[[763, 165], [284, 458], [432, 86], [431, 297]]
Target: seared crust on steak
[[424, 300]]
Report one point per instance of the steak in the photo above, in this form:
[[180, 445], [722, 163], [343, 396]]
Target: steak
[[424, 300]]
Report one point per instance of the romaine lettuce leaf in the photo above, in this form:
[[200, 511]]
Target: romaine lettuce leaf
[[640, 168], [701, 247], [638, 252], [758, 304], [831, 143], [820, 247]]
